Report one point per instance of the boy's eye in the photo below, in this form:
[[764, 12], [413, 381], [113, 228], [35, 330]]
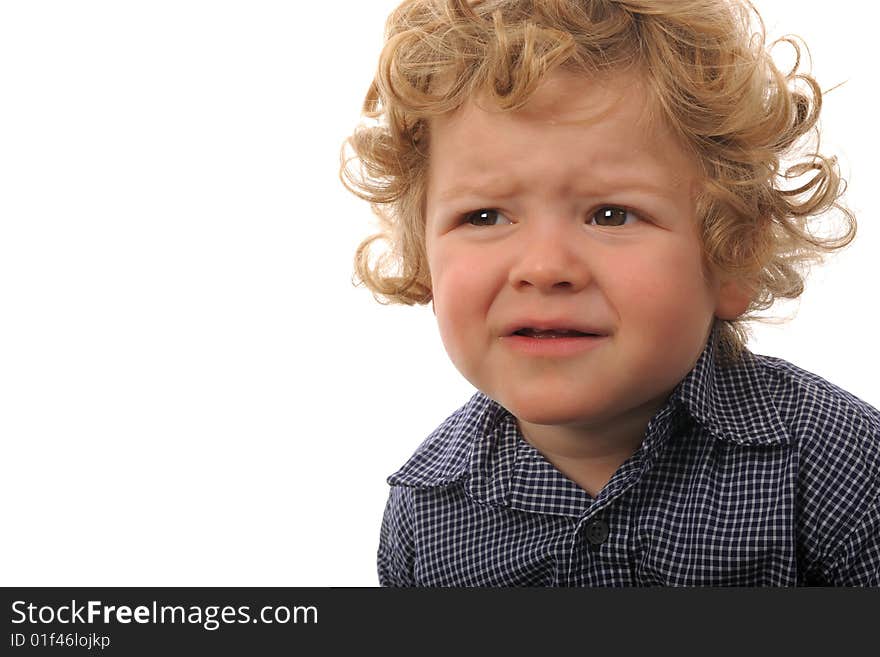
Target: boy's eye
[[608, 215], [485, 217], [611, 215]]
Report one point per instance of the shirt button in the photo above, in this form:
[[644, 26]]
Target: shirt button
[[597, 532]]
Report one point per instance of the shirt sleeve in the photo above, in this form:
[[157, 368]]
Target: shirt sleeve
[[856, 561], [396, 546]]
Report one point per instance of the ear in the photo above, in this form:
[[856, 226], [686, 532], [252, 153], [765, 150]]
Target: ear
[[733, 299]]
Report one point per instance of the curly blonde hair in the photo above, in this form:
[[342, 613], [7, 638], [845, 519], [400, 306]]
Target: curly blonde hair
[[715, 83]]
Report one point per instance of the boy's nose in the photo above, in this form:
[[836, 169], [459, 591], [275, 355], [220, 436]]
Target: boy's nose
[[550, 261]]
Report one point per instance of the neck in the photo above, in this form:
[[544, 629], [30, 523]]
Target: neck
[[590, 454]]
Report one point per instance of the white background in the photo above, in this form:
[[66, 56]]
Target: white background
[[191, 390]]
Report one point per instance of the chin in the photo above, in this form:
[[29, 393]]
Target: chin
[[550, 412]]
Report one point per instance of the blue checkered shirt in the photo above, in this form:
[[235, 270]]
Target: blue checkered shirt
[[761, 474]]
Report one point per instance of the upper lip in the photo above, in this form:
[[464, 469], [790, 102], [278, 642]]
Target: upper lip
[[547, 324]]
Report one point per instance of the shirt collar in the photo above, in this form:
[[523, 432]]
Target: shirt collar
[[445, 455], [732, 403]]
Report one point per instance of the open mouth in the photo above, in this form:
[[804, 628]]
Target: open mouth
[[554, 333]]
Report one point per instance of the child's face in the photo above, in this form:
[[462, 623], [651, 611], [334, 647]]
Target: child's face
[[555, 248]]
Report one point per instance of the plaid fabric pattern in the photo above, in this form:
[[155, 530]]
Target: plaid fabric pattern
[[758, 475]]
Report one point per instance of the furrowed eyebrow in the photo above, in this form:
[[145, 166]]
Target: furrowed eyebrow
[[497, 188], [504, 190]]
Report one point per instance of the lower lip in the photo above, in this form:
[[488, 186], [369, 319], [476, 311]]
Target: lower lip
[[552, 346]]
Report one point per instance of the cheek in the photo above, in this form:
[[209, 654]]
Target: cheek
[[462, 296], [664, 290]]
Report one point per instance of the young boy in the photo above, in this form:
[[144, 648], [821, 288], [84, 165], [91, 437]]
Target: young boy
[[589, 193]]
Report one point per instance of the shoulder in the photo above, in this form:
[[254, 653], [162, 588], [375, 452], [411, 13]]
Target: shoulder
[[444, 456], [836, 438], [819, 414], [442, 459]]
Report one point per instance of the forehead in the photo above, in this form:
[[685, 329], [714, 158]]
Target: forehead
[[574, 125], [579, 99]]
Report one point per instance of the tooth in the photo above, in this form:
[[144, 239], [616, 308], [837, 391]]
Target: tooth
[[552, 333]]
